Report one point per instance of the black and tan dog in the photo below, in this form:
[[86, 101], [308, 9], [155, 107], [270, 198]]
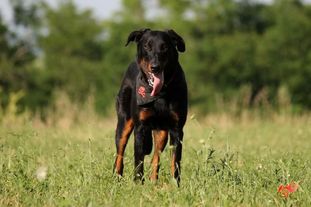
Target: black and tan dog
[[152, 100]]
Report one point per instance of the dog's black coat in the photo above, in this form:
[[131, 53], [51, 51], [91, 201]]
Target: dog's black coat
[[164, 113]]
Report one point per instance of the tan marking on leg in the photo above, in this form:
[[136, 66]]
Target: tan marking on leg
[[128, 127], [160, 140], [144, 114]]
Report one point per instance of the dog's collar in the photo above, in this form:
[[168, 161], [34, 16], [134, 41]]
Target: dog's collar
[[150, 81]]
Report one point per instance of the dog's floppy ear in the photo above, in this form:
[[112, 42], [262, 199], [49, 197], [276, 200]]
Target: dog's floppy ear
[[136, 35], [178, 40]]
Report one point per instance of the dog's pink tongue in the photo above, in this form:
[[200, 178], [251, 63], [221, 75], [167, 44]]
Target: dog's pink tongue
[[158, 80]]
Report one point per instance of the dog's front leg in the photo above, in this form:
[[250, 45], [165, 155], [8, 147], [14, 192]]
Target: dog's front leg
[[123, 132]]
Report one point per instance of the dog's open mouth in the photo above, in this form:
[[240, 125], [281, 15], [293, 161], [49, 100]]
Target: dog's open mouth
[[156, 82]]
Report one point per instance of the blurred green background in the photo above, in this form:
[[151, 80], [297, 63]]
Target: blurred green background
[[243, 54]]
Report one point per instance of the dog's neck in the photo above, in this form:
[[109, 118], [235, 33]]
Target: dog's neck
[[144, 91]]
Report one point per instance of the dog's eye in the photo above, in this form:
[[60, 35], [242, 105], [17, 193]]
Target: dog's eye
[[164, 48], [147, 47]]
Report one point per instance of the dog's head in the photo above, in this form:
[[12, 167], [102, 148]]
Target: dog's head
[[155, 51]]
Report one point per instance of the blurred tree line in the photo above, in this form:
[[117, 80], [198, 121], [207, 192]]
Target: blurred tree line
[[244, 50]]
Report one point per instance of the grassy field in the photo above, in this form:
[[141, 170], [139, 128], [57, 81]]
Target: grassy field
[[226, 162]]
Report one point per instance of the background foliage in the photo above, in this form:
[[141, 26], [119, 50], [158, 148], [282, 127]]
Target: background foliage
[[243, 52]]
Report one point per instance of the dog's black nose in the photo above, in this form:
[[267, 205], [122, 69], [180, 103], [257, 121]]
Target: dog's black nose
[[155, 68]]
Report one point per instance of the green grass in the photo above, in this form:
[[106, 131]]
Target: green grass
[[226, 162]]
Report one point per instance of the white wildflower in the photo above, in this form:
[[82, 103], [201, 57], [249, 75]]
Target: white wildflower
[[41, 173]]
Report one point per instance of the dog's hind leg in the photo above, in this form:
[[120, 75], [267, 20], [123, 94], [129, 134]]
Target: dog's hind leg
[[148, 142], [143, 137], [176, 137], [160, 141]]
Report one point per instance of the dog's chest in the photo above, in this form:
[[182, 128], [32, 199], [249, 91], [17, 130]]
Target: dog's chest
[[158, 116]]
